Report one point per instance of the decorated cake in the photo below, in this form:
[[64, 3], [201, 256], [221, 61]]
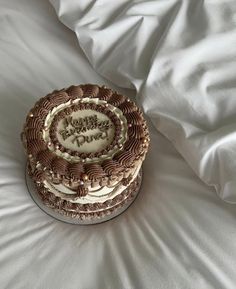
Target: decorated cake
[[85, 147]]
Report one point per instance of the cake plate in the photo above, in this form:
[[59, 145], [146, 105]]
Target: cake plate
[[49, 211]]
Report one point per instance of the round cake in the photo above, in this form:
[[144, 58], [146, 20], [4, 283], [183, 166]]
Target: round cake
[[85, 147]]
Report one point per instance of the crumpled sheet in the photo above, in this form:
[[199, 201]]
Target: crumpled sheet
[[180, 57], [176, 235]]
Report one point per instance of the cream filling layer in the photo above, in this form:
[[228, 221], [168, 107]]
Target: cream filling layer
[[95, 195]]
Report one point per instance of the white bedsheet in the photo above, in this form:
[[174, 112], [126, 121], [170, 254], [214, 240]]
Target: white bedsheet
[[177, 235], [180, 56]]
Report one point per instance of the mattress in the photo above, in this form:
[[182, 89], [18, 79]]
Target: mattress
[[177, 234]]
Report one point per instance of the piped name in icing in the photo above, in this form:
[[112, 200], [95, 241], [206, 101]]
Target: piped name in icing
[[77, 126]]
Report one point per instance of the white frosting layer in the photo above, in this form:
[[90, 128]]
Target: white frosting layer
[[65, 155], [88, 141], [95, 195]]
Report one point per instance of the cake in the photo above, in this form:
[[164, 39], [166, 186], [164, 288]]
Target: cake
[[85, 146]]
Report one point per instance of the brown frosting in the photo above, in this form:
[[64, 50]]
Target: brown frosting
[[35, 122], [111, 167], [33, 134], [90, 90], [133, 145], [45, 158], [75, 92], [35, 146], [117, 99], [40, 111], [38, 176], [134, 118], [125, 158], [127, 107], [59, 98], [94, 171], [104, 93], [136, 131], [81, 191], [75, 170], [46, 103], [59, 166]]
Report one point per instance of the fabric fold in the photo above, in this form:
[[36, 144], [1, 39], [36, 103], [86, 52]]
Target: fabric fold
[[180, 57]]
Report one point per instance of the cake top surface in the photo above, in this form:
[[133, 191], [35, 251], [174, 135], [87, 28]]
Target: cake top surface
[[85, 128]]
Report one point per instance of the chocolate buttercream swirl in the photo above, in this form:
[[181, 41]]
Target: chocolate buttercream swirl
[[59, 98], [94, 171], [124, 158], [117, 99], [111, 167], [75, 170], [35, 122], [46, 103], [38, 176], [40, 111], [81, 192], [136, 131], [134, 118], [127, 107], [75, 92], [59, 166], [105, 93], [35, 146], [90, 90], [133, 145], [45, 158], [33, 134]]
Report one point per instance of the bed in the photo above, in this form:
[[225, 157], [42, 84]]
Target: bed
[[177, 234]]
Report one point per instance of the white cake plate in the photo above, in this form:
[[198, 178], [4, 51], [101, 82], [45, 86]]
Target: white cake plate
[[36, 198]]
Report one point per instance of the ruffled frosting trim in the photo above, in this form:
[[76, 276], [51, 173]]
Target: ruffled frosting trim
[[94, 171], [133, 145], [35, 122], [105, 93], [59, 166], [45, 158], [117, 99], [127, 107], [76, 170], [59, 98], [90, 90], [111, 167], [134, 118], [35, 146], [32, 134], [136, 131], [125, 158], [75, 92]]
